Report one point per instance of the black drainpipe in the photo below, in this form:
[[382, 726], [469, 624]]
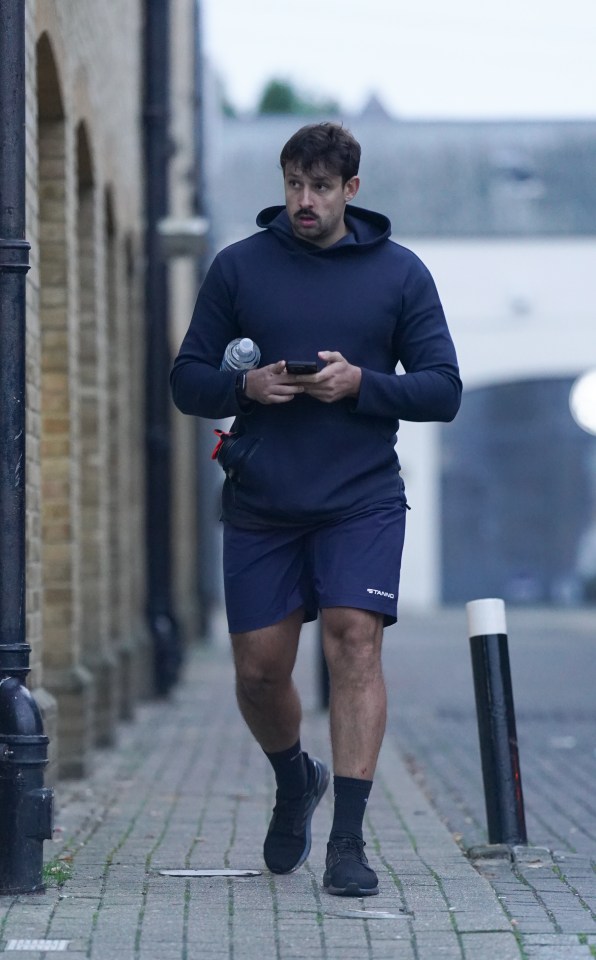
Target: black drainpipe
[[158, 443], [208, 483], [25, 806]]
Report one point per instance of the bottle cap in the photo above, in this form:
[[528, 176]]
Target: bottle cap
[[246, 346]]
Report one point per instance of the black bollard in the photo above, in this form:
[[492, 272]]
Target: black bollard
[[503, 793], [26, 805]]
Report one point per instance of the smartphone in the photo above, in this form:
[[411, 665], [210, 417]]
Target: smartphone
[[301, 366]]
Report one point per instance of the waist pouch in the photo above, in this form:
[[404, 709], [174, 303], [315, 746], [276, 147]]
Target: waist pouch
[[233, 449]]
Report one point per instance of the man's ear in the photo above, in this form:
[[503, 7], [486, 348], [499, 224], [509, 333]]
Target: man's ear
[[351, 188]]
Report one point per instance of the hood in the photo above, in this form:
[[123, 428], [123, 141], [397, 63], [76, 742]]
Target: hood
[[367, 229]]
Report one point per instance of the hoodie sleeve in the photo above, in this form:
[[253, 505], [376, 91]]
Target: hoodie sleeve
[[430, 388], [199, 387]]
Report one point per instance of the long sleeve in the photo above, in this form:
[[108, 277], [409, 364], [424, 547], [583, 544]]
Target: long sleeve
[[430, 388], [199, 387]]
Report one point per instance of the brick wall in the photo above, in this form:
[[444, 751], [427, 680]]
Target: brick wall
[[90, 658]]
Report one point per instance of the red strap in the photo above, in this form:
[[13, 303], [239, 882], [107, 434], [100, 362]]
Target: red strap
[[222, 436]]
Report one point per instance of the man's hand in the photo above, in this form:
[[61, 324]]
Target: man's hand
[[337, 380], [271, 384]]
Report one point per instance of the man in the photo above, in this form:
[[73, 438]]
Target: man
[[313, 503]]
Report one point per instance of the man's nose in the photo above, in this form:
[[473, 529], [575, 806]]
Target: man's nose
[[306, 199]]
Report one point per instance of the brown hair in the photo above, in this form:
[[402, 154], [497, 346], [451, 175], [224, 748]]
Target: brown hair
[[327, 145]]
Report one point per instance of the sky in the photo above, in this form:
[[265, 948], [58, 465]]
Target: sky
[[422, 58]]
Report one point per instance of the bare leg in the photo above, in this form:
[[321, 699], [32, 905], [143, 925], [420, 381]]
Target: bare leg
[[352, 641], [265, 691]]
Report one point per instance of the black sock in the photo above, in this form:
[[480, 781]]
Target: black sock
[[290, 770], [351, 796]]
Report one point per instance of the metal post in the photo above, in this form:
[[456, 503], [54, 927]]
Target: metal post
[[504, 799], [157, 147], [324, 686], [25, 807], [208, 489]]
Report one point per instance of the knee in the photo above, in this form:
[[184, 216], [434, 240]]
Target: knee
[[264, 659], [352, 642], [256, 678]]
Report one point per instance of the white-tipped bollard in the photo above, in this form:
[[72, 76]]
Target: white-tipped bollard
[[487, 631], [486, 617]]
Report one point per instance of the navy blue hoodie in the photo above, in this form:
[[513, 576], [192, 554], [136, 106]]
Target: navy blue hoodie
[[365, 296]]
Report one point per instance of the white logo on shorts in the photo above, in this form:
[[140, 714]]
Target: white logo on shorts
[[380, 593]]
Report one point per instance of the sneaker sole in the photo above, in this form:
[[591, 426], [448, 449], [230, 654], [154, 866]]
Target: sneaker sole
[[322, 784], [352, 890]]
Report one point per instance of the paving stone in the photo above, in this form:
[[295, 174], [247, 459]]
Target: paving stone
[[188, 787], [488, 946]]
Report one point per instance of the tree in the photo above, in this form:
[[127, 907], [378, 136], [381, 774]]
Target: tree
[[280, 96]]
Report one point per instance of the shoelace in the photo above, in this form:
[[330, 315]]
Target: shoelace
[[350, 847]]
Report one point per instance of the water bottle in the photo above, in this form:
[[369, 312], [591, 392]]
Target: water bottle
[[241, 354]]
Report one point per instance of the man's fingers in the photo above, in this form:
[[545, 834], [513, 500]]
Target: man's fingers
[[281, 397], [330, 356], [268, 384], [282, 393]]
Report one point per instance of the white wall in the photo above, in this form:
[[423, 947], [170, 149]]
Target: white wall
[[517, 309]]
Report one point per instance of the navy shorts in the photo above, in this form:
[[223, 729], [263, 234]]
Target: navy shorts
[[353, 562]]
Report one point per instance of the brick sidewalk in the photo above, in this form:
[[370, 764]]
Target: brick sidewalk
[[188, 788], [549, 890]]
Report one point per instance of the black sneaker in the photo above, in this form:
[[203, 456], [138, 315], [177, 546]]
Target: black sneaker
[[347, 873], [287, 844]]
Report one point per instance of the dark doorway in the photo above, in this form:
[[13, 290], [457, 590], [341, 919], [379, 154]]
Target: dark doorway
[[518, 497]]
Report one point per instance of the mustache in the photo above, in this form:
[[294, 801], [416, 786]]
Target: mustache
[[305, 213]]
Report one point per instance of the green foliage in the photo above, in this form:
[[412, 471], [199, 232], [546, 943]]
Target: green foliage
[[57, 872], [280, 96], [228, 108]]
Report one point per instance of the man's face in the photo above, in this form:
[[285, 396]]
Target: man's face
[[316, 202]]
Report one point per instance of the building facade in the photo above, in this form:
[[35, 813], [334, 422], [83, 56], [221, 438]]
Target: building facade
[[91, 651]]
